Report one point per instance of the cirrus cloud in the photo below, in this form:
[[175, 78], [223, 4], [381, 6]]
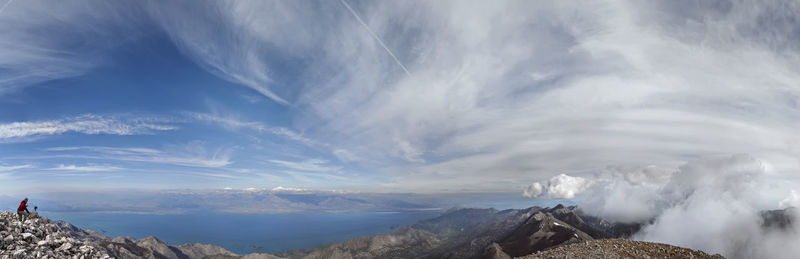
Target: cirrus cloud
[[86, 124]]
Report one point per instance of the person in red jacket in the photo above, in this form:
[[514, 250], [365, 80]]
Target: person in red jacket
[[23, 211]]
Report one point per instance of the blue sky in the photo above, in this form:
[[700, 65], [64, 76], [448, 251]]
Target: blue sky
[[411, 96]]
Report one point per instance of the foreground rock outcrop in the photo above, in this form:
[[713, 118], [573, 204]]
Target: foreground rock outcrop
[[620, 248], [38, 237]]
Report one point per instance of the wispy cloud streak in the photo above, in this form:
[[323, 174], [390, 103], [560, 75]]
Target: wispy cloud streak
[[86, 124], [234, 123], [375, 36], [14, 167], [87, 168], [192, 155], [310, 165], [5, 5]]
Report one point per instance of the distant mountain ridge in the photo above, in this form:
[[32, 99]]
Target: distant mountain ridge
[[457, 233], [478, 233], [256, 201]]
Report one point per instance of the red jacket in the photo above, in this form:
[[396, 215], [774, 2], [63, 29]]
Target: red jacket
[[23, 206]]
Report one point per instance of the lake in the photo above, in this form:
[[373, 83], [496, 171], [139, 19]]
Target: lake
[[238, 232]]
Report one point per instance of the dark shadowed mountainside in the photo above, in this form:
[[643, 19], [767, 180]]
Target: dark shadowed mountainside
[[478, 233]]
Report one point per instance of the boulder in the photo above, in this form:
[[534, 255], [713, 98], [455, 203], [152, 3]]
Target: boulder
[[64, 247]]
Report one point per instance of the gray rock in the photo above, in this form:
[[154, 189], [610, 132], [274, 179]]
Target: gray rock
[[40, 238], [64, 247]]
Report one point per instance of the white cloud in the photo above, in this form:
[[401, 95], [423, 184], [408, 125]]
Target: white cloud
[[14, 167], [236, 56], [561, 186], [228, 122], [288, 189], [566, 187], [85, 124], [234, 123], [292, 135], [533, 190], [41, 41], [193, 154], [308, 165], [613, 88], [345, 156], [711, 204], [793, 200], [87, 168]]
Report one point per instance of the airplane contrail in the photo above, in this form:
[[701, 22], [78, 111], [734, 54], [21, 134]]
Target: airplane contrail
[[4, 6], [375, 36]]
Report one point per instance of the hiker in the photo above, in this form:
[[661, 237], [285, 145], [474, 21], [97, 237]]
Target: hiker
[[23, 211]]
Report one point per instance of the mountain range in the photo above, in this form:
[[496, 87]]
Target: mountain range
[[478, 233], [457, 233]]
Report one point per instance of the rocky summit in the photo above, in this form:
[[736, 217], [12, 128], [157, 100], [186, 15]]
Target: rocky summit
[[619, 248], [38, 237]]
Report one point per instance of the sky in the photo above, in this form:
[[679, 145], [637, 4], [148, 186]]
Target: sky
[[393, 96]]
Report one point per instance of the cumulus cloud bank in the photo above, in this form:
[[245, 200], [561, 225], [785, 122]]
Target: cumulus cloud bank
[[712, 204], [561, 186], [792, 201]]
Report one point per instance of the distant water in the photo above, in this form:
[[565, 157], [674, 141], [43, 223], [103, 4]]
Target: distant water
[[238, 232]]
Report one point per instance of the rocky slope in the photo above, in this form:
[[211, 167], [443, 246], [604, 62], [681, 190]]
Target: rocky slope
[[38, 237], [539, 232], [620, 248]]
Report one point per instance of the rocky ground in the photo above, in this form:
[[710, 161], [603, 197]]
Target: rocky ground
[[619, 248], [37, 237]]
